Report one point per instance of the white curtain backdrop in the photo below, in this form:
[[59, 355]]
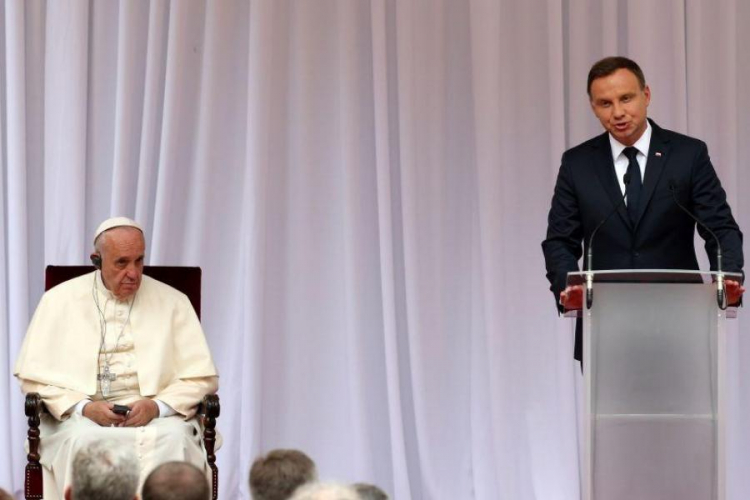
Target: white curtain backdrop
[[365, 185]]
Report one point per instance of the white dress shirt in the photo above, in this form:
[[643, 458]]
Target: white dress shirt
[[621, 161]]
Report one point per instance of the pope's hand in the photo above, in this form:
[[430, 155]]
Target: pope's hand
[[734, 292], [101, 413], [141, 413], [572, 297]]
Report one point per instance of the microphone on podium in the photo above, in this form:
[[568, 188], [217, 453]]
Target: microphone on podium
[[721, 295], [590, 251]]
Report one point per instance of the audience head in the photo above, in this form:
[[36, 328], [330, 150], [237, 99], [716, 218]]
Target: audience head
[[278, 474], [176, 481], [369, 492], [325, 491], [104, 470], [4, 495]]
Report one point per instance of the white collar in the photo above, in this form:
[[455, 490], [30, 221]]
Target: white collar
[[642, 144]]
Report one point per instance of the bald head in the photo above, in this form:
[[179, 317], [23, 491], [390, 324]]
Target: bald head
[[176, 481], [325, 491]]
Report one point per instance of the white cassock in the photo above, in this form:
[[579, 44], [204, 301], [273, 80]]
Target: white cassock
[[152, 343]]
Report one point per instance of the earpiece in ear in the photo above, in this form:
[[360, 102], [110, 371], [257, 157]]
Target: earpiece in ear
[[97, 261]]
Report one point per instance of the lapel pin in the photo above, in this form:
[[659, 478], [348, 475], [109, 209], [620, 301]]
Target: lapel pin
[[658, 153]]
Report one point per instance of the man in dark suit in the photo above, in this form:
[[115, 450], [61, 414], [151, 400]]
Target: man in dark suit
[[649, 231]]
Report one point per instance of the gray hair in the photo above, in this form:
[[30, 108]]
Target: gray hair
[[176, 481], [368, 491], [100, 240], [325, 491], [105, 470], [278, 474]]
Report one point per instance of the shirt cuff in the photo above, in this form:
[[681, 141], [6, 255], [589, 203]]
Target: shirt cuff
[[78, 408], [164, 409]]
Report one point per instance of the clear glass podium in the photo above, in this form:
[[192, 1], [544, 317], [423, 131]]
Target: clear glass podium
[[654, 376]]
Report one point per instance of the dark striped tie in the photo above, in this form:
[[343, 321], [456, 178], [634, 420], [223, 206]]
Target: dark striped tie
[[634, 188]]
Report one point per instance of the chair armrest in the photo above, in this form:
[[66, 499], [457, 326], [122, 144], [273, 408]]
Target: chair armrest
[[33, 486], [209, 410], [209, 407], [34, 408], [34, 405]]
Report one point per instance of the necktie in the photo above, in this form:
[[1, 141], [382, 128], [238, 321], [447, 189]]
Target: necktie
[[634, 188]]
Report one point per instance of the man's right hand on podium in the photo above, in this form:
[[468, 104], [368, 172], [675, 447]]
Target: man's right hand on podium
[[734, 292], [572, 297]]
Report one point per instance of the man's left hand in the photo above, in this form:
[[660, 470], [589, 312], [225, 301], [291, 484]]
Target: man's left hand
[[734, 292], [141, 413]]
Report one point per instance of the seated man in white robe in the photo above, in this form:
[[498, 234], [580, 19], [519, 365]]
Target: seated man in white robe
[[115, 354]]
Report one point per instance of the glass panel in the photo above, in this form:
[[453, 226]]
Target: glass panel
[[649, 276], [654, 459], [652, 389]]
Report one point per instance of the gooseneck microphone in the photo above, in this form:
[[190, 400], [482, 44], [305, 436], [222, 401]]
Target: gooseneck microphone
[[721, 296], [590, 251]]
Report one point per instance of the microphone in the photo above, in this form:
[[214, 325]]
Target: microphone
[[721, 296], [590, 251]]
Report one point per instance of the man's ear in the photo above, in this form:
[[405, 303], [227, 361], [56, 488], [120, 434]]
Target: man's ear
[[96, 260], [68, 493]]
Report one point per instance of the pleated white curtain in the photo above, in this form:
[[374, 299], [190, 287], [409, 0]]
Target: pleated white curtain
[[365, 185]]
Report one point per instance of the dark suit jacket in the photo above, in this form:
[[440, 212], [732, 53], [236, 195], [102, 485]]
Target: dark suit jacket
[[587, 190]]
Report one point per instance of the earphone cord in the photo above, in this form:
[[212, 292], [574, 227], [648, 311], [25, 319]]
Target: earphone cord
[[103, 331]]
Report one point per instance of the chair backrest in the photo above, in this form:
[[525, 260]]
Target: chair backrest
[[183, 278]]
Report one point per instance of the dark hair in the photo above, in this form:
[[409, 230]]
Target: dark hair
[[369, 491], [276, 475], [609, 65], [176, 481]]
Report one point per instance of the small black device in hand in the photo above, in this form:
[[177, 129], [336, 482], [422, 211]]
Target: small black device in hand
[[121, 409]]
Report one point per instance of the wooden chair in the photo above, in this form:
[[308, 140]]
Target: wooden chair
[[185, 279]]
